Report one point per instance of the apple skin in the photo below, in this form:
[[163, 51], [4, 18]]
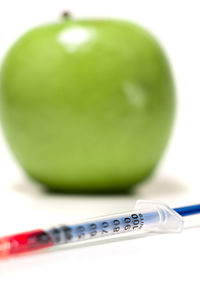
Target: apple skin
[[87, 105]]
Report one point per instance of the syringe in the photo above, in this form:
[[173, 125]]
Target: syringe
[[147, 217]]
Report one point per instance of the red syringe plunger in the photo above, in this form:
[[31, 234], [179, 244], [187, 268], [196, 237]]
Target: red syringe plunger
[[24, 242]]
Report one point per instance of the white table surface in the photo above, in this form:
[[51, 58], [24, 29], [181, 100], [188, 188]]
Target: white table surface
[[155, 266]]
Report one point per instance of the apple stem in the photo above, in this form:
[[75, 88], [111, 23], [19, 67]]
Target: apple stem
[[66, 14]]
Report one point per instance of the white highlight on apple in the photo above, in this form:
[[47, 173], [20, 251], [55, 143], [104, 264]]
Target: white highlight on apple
[[75, 37], [134, 94]]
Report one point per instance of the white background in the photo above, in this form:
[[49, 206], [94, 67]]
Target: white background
[[157, 267]]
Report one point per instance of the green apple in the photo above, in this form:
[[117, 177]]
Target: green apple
[[87, 105]]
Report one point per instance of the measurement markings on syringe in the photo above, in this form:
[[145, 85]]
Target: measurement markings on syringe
[[110, 226], [101, 228]]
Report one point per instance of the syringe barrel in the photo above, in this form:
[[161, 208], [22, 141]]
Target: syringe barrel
[[148, 216], [130, 222]]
